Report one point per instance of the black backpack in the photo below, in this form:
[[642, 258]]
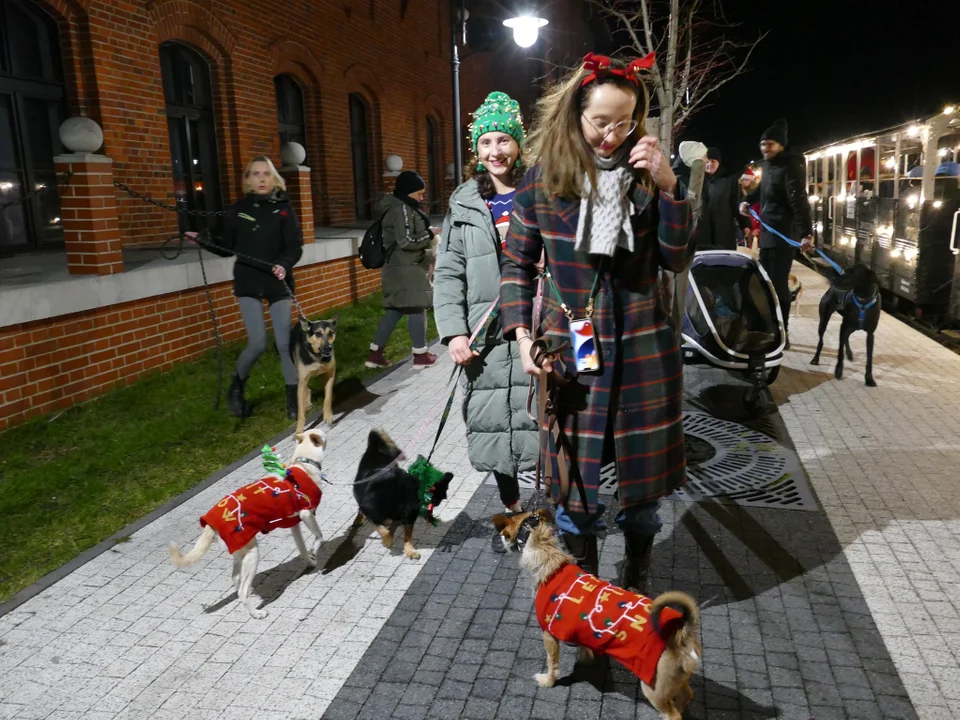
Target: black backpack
[[372, 255]]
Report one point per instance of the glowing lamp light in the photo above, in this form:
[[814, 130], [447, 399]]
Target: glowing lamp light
[[913, 131], [910, 254], [526, 29], [942, 152], [814, 199], [895, 252], [891, 163], [842, 196], [912, 202], [819, 227], [938, 204], [5, 186], [949, 110], [55, 221]]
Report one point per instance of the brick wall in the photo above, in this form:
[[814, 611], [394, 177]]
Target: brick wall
[[51, 364], [333, 48]]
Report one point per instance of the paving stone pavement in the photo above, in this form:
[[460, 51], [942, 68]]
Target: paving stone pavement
[[849, 612]]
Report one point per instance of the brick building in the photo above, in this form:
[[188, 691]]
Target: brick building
[[186, 92]]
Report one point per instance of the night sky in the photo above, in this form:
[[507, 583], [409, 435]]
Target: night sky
[[833, 69]]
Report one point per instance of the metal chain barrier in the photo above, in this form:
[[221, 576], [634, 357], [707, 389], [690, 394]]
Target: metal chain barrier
[[22, 199]]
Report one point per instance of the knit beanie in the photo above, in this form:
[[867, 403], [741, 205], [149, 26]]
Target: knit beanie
[[499, 113], [713, 153], [407, 182], [777, 132]]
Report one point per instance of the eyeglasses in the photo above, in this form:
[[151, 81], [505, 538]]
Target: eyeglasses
[[621, 129]]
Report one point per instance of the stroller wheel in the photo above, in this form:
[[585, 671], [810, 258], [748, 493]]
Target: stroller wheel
[[773, 375], [757, 399]]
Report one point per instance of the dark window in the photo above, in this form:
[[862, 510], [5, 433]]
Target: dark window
[[31, 110], [193, 141], [433, 177], [290, 110], [360, 147]]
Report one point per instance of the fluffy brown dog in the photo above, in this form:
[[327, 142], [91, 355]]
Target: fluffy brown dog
[[656, 643]]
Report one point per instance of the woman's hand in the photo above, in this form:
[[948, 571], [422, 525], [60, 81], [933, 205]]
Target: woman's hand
[[525, 344], [646, 155], [745, 209], [279, 272], [190, 236], [460, 351]]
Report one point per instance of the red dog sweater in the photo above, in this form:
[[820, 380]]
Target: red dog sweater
[[582, 609], [261, 507]]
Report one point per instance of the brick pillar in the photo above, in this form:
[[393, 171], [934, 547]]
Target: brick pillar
[[88, 211], [301, 196]]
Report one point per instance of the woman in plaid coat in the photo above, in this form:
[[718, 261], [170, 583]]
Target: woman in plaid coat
[[606, 208]]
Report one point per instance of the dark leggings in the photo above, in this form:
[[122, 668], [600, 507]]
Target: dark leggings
[[508, 486], [777, 261]]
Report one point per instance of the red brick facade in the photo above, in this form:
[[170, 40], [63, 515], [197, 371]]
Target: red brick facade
[[52, 364]]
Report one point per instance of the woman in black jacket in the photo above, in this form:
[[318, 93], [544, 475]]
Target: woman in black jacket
[[262, 225]]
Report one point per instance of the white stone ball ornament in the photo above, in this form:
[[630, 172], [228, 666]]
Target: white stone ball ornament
[[292, 154], [394, 164], [81, 135]]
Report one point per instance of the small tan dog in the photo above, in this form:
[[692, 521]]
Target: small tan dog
[[655, 642], [261, 507], [796, 292]]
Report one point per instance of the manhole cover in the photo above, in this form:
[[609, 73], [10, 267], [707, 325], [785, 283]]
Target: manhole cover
[[729, 463]]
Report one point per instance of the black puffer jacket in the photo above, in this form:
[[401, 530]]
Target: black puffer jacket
[[718, 222], [784, 205], [264, 227]]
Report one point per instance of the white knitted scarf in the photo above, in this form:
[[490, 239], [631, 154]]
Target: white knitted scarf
[[605, 211]]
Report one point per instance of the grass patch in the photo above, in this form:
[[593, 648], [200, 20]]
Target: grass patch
[[70, 480]]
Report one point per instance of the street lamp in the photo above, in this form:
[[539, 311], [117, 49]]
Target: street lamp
[[526, 30]]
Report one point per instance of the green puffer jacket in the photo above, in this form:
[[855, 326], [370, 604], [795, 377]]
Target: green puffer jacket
[[408, 243], [500, 435]]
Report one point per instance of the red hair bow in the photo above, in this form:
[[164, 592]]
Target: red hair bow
[[600, 65]]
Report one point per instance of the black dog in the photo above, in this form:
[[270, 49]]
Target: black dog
[[388, 495], [856, 296]]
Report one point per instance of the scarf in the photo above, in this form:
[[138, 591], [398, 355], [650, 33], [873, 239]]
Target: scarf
[[604, 222]]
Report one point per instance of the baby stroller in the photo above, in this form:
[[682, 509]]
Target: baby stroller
[[732, 321]]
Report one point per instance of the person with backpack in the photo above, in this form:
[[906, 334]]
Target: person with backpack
[[501, 437], [405, 275]]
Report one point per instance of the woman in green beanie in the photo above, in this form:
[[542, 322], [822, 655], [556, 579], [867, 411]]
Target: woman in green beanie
[[500, 436]]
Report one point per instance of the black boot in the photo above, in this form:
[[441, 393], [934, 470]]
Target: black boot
[[293, 404], [236, 403], [584, 551], [636, 561]]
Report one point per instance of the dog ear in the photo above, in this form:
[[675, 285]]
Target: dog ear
[[305, 325], [317, 438], [501, 522], [333, 324], [545, 515]]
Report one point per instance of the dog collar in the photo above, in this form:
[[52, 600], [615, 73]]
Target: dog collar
[[308, 461], [863, 307]]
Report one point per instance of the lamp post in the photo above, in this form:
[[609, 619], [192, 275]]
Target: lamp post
[[526, 29]]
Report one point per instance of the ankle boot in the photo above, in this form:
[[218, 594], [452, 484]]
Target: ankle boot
[[293, 403], [636, 561], [236, 403], [584, 551]]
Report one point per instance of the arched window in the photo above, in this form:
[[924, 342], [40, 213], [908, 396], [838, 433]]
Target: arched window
[[31, 110], [433, 177], [193, 141], [290, 117], [360, 147]]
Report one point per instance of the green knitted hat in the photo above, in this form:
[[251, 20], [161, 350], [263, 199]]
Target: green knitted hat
[[499, 113]]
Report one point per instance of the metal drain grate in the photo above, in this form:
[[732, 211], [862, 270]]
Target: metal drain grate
[[746, 468]]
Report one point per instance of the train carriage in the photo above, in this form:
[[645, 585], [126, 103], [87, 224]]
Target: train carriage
[[891, 200]]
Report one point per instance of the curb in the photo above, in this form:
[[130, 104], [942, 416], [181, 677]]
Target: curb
[[51, 578]]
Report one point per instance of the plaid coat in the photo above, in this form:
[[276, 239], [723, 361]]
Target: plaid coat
[[639, 389]]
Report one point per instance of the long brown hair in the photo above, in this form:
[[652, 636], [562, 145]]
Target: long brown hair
[[485, 184], [556, 139]]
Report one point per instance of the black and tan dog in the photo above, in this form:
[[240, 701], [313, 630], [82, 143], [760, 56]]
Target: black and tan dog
[[855, 295], [388, 495], [311, 349]]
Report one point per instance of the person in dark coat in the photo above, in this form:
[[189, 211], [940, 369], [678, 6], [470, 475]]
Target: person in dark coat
[[784, 206], [719, 218], [262, 225], [607, 211], [408, 243]]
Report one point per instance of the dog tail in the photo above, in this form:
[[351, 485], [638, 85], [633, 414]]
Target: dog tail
[[689, 620], [199, 550]]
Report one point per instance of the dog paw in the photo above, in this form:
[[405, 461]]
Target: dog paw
[[311, 559], [412, 554], [257, 613], [815, 361], [545, 680], [870, 382]]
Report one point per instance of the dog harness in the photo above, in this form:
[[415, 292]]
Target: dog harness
[[862, 307], [580, 608], [262, 507]]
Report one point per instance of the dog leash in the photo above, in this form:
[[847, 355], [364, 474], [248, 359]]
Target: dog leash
[[861, 307], [794, 243]]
